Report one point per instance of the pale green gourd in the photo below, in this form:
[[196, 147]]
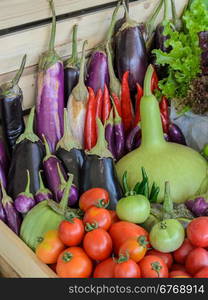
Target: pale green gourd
[[182, 166]]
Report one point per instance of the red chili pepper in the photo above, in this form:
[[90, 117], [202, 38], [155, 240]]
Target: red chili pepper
[[106, 105], [154, 82], [164, 113], [99, 104], [90, 132], [139, 95], [117, 103], [126, 104]]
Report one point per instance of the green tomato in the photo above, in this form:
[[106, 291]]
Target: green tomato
[[135, 209], [167, 236]]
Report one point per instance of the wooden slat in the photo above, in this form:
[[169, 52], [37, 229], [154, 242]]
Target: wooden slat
[[20, 257], [92, 27], [6, 270], [18, 12]]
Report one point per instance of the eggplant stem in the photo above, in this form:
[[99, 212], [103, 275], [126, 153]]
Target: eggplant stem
[[73, 60], [47, 148], [126, 11], [113, 21], [151, 20], [27, 190], [166, 10], [16, 78], [82, 66], [64, 201], [115, 86], [62, 179], [117, 119], [174, 14], [42, 186], [53, 30]]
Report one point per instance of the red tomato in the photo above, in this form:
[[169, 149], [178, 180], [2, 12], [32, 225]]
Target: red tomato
[[203, 273], [71, 232], [94, 197], [179, 274], [136, 248], [166, 257], [74, 263], [127, 269], [153, 267], [114, 217], [98, 244], [122, 230], [197, 232], [100, 216], [178, 267], [181, 253], [105, 269], [196, 260]]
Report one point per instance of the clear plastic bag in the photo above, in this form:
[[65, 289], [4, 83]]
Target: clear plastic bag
[[194, 128]]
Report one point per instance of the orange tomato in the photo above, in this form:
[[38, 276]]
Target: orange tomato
[[94, 197], [49, 249], [136, 247], [73, 262], [98, 215]]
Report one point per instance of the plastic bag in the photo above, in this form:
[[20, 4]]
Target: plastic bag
[[194, 128]]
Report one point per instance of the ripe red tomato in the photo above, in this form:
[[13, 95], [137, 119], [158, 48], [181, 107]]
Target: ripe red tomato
[[153, 267], [74, 263], [94, 197], [98, 244], [122, 230], [100, 216], [127, 269], [114, 217], [197, 232], [166, 257], [179, 274], [71, 232], [105, 269], [196, 260], [203, 273], [181, 253], [178, 267], [136, 247]]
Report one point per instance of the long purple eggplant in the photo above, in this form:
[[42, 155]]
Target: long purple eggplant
[[71, 68], [97, 70], [119, 135], [110, 134], [13, 217], [77, 104], [4, 157], [131, 53], [50, 98], [50, 166], [133, 139]]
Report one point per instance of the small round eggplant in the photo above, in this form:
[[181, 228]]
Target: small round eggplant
[[43, 193], [197, 206], [176, 135]]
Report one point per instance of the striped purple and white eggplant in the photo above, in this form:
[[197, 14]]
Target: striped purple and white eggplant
[[77, 104], [43, 193], [110, 134], [131, 53], [71, 68], [97, 68], [50, 97], [13, 217], [51, 165], [25, 201]]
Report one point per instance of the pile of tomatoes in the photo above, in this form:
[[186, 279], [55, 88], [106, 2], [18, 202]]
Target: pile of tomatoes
[[102, 246]]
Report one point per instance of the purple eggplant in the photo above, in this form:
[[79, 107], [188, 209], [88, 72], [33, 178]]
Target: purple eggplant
[[13, 217], [43, 193], [4, 158], [50, 98], [25, 201], [176, 135], [3, 176], [131, 53], [71, 68], [2, 213], [97, 70], [134, 138], [110, 134], [50, 166], [74, 194], [119, 132], [198, 206]]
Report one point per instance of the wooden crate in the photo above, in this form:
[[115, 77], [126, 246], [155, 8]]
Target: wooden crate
[[25, 28]]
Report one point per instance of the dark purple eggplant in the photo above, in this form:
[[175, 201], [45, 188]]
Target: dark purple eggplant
[[198, 206], [71, 68], [25, 201], [203, 44], [99, 169], [51, 165], [131, 53], [176, 135], [27, 155], [11, 97], [2, 213], [50, 93], [110, 134], [43, 193], [97, 69], [13, 217], [134, 138], [119, 132], [4, 157]]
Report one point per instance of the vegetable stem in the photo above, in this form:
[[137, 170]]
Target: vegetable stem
[[82, 66], [166, 10], [73, 60], [27, 190], [53, 30], [151, 20], [42, 186], [64, 201], [112, 25], [115, 86], [16, 78], [62, 179], [168, 203]]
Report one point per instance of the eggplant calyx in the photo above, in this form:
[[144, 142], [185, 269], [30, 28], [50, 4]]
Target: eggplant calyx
[[29, 133], [48, 152], [117, 119], [101, 147], [48, 59], [129, 22], [42, 188], [5, 198], [27, 193], [73, 61]]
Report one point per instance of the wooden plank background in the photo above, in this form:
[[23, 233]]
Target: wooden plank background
[[92, 26]]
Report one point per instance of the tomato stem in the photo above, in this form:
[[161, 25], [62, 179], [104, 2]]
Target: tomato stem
[[91, 226], [156, 266], [67, 256], [123, 258], [101, 203], [142, 240]]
